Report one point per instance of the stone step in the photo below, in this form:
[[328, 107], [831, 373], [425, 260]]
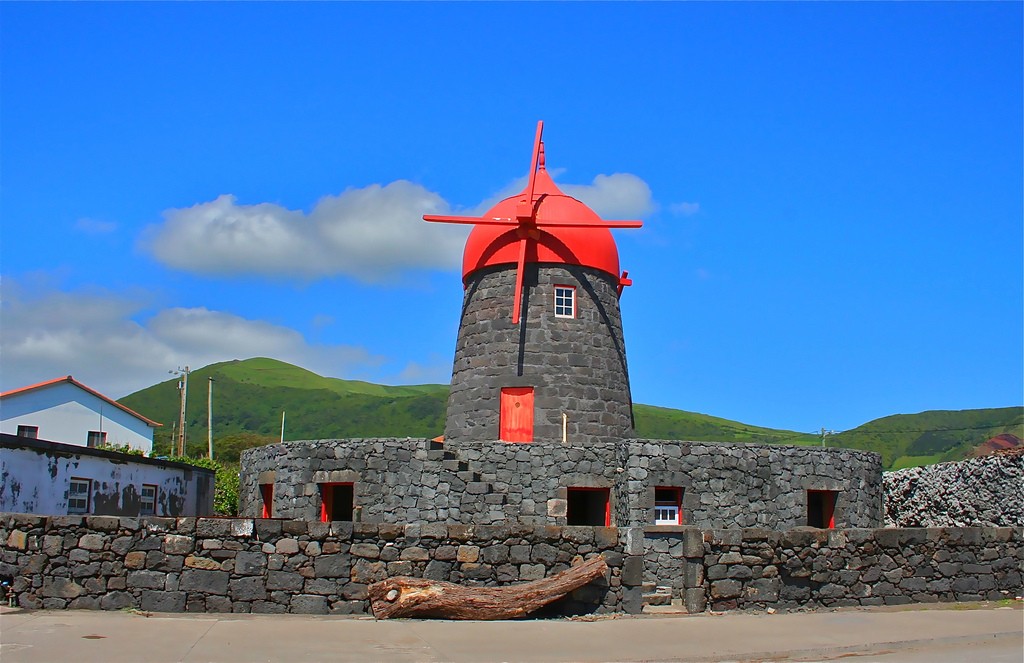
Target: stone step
[[647, 588], [658, 598]]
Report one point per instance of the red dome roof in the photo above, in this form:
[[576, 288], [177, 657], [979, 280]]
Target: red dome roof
[[588, 246]]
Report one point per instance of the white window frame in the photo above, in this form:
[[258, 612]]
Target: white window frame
[[666, 514], [563, 293], [76, 497], [147, 505]]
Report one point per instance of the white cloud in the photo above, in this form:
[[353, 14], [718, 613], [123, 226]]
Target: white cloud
[[371, 234], [616, 196], [92, 336]]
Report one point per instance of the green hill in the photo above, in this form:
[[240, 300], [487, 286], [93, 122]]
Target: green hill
[[250, 395], [907, 440]]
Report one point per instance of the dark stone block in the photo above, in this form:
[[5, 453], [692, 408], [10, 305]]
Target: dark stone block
[[208, 582], [159, 601], [331, 566], [247, 589], [308, 604]]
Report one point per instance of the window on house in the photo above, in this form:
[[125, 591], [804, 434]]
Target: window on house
[[515, 418], [28, 431], [147, 504], [96, 439], [588, 506], [79, 492], [565, 301], [668, 506], [267, 495], [821, 508], [336, 501]]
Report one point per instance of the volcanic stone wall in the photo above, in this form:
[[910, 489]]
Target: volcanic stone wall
[[418, 481], [984, 491], [756, 569], [275, 566], [576, 366], [748, 485]]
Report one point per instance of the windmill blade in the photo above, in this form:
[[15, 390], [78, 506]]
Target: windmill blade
[[520, 269], [469, 220], [524, 210], [540, 223]]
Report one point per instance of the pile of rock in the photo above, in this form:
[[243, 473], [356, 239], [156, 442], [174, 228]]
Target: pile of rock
[[978, 492]]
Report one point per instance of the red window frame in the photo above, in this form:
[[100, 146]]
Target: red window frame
[[827, 501], [607, 501], [267, 495], [677, 501], [327, 514]]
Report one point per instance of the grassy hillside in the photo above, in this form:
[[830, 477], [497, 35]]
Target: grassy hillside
[[250, 395], [906, 440], [659, 423]]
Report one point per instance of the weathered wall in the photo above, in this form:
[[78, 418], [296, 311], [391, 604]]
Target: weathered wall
[[35, 476], [756, 569], [405, 480], [984, 492], [576, 366], [275, 566]]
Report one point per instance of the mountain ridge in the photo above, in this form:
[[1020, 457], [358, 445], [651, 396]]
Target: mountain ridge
[[250, 395]]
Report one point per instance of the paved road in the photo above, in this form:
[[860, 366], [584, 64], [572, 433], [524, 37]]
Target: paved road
[[903, 636]]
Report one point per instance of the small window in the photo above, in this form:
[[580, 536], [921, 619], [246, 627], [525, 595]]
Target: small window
[[565, 301], [821, 508], [588, 506], [96, 439], [28, 431], [79, 492], [668, 506], [147, 505], [336, 502], [267, 495]]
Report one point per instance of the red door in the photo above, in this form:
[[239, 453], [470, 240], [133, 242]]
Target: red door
[[515, 419]]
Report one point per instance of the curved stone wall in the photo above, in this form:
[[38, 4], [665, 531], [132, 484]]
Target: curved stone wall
[[576, 366], [419, 481]]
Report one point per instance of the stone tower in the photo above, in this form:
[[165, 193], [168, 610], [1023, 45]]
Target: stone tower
[[540, 353]]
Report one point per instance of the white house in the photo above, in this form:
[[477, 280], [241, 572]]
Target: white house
[[66, 411]]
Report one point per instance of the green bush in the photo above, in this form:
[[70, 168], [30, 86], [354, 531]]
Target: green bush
[[225, 495]]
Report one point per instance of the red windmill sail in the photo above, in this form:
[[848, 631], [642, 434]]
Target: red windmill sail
[[529, 220]]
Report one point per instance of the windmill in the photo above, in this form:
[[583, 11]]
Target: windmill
[[532, 222], [563, 376]]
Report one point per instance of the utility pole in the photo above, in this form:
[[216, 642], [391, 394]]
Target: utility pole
[[824, 434], [183, 390], [282, 426], [209, 417]]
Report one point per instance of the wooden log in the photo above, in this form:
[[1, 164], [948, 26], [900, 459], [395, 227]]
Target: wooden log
[[402, 596]]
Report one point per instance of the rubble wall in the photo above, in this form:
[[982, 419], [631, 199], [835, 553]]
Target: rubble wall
[[755, 569], [276, 566], [979, 492]]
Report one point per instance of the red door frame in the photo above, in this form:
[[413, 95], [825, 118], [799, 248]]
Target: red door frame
[[677, 500], [515, 415]]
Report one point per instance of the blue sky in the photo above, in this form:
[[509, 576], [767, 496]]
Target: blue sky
[[832, 193]]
